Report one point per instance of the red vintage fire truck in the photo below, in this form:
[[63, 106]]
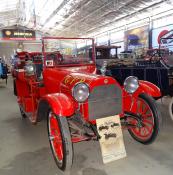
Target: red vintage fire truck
[[61, 85]]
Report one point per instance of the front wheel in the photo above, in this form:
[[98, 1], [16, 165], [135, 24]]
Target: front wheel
[[147, 130], [60, 141]]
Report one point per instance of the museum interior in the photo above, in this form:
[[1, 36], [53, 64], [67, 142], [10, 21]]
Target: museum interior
[[86, 87]]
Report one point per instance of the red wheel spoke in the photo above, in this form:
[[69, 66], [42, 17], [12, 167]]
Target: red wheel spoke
[[146, 109], [137, 130], [145, 131], [148, 121], [55, 137], [133, 122], [139, 106], [61, 153], [58, 150], [58, 139], [142, 108], [148, 128], [146, 115], [141, 132], [147, 118]]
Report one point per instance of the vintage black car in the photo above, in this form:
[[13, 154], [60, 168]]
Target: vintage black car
[[156, 67]]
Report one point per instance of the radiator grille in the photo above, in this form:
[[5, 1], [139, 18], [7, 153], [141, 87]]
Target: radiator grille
[[105, 101]]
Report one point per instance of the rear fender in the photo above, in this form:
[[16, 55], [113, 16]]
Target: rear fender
[[59, 103]]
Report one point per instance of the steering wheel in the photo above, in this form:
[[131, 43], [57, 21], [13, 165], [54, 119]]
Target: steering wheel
[[155, 57]]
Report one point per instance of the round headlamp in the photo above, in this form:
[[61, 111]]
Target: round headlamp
[[80, 92], [131, 84]]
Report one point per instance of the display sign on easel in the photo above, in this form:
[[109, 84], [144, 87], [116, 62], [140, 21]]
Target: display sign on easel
[[111, 142]]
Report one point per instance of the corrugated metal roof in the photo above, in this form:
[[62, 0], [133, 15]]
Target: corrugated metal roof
[[76, 17]]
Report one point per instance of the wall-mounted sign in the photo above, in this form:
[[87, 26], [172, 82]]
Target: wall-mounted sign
[[137, 38], [160, 32], [18, 34]]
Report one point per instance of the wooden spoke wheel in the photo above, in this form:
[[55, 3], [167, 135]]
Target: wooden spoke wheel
[[60, 141], [147, 127]]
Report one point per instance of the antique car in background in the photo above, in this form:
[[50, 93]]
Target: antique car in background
[[105, 53], [3, 70], [71, 96], [126, 55], [156, 66], [20, 58]]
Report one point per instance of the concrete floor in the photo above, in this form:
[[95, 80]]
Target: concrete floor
[[24, 148]]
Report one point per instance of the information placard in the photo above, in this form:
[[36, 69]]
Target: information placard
[[111, 142]]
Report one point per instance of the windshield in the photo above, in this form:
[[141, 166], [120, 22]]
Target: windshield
[[106, 53], [67, 51]]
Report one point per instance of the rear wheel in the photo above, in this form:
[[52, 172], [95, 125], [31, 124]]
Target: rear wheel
[[22, 113], [147, 129], [14, 88], [60, 141]]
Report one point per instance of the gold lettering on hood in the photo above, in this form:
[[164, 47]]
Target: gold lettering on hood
[[70, 80]]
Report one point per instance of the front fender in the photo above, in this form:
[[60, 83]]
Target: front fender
[[59, 103], [145, 87], [149, 88]]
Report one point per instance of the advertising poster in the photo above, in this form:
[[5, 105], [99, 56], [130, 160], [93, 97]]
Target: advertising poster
[[137, 38], [162, 32], [18, 34]]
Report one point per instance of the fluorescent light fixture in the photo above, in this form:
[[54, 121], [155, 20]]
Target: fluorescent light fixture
[[8, 5]]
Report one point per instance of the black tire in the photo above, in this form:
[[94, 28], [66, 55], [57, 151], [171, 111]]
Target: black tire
[[14, 88], [66, 162], [156, 117], [22, 113]]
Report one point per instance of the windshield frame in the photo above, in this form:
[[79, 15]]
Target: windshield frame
[[72, 38]]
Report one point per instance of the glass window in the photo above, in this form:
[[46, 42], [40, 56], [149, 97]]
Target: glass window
[[68, 51]]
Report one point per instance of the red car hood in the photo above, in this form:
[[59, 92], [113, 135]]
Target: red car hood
[[67, 77]]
